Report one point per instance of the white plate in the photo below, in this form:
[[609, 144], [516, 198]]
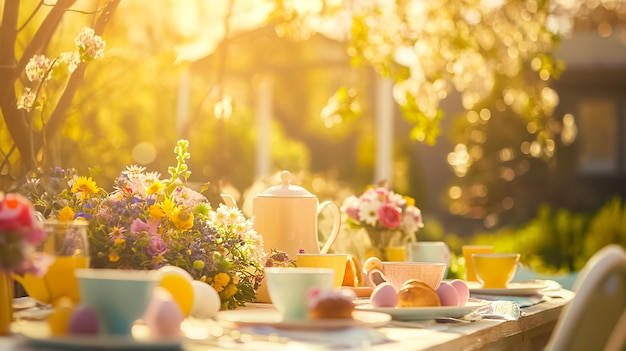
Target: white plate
[[37, 334], [522, 288], [424, 313], [22, 303], [272, 318]]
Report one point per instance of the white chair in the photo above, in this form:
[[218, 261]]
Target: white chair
[[595, 319]]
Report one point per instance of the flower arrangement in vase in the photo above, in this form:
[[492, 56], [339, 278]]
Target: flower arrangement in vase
[[20, 233], [147, 222], [389, 219]]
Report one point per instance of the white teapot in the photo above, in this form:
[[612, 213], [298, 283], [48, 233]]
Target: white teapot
[[286, 216]]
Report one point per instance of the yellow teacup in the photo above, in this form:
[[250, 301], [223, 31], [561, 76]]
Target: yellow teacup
[[66, 245], [495, 270], [335, 261]]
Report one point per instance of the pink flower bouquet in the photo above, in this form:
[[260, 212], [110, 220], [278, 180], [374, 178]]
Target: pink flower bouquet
[[20, 232]]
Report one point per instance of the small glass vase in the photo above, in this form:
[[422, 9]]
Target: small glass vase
[[387, 244], [6, 302]]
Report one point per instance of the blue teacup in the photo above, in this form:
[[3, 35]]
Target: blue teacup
[[119, 296]]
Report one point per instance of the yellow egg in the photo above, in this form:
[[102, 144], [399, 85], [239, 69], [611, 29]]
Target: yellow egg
[[178, 282]]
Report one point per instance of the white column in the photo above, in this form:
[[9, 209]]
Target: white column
[[384, 130], [264, 110]]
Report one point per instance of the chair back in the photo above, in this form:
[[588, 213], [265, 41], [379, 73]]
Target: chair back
[[595, 319]]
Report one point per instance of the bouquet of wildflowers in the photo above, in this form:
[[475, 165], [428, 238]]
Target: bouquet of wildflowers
[[378, 210], [147, 222], [20, 232]]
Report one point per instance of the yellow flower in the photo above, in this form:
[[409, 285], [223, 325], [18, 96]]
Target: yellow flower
[[168, 207], [182, 217], [155, 187], [114, 257], [85, 186], [119, 241], [229, 291], [66, 214], [220, 281], [156, 211]]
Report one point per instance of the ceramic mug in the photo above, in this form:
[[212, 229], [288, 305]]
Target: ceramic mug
[[429, 251]]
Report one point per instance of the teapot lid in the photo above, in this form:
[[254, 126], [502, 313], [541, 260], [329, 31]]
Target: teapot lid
[[286, 189]]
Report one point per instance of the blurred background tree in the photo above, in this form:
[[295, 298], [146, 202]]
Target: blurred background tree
[[193, 69]]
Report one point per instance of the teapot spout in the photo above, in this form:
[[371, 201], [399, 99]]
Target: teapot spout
[[229, 200], [35, 287]]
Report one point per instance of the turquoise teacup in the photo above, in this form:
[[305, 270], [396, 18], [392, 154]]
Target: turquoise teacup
[[119, 296], [288, 288]]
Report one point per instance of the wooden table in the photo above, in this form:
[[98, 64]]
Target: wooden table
[[530, 332]]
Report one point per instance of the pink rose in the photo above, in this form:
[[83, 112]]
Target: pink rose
[[390, 216]]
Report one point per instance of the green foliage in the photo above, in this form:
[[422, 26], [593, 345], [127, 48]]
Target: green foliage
[[559, 241]]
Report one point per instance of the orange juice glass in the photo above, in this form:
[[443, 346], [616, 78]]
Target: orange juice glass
[[66, 244], [468, 250]]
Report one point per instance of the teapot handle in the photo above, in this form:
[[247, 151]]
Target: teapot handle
[[336, 224]]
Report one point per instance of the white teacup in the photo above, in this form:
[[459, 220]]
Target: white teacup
[[288, 287], [429, 251]]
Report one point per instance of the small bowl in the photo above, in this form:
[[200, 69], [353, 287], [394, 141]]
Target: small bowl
[[495, 270], [396, 273], [119, 296]]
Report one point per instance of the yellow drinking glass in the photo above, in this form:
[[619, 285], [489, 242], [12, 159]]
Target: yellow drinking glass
[[67, 246], [468, 250]]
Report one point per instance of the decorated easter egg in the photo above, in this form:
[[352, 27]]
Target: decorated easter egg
[[206, 301], [163, 316], [84, 320], [384, 295], [462, 291], [447, 294], [178, 282]]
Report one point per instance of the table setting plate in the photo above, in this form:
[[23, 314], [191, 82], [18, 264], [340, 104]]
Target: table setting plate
[[427, 312], [37, 334], [519, 288], [272, 318]]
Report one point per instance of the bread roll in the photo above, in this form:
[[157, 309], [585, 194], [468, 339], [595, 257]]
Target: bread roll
[[415, 293]]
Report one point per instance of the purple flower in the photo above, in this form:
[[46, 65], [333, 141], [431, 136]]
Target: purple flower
[[138, 226]]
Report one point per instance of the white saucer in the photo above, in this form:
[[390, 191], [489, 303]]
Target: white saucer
[[38, 334], [22, 303], [521, 288], [272, 318], [424, 313]]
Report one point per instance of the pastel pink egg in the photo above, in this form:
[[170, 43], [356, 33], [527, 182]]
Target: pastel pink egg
[[384, 295], [447, 294], [462, 291]]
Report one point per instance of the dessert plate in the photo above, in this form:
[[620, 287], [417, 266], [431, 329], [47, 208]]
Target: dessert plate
[[520, 288], [271, 318], [425, 313], [37, 334]]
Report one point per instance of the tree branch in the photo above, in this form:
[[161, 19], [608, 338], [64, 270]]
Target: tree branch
[[13, 118], [45, 32], [60, 112]]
